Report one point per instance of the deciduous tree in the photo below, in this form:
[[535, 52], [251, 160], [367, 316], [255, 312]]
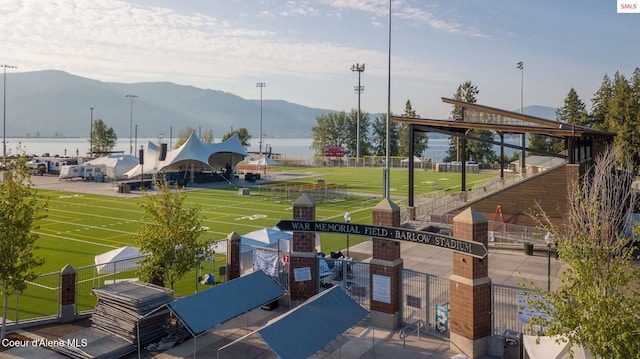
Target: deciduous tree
[[20, 210], [243, 135], [597, 303], [331, 129], [206, 136], [103, 138], [171, 236]]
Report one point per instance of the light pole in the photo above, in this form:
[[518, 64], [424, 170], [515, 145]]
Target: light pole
[[548, 238], [131, 124], [359, 90], [261, 85], [387, 171], [347, 218], [91, 134], [4, 118], [522, 136]]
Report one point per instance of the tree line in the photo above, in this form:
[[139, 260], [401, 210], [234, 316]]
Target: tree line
[[341, 129], [615, 108]]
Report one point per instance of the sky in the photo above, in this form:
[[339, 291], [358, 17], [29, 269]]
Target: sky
[[304, 51]]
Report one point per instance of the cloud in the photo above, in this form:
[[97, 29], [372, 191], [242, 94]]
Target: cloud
[[118, 41], [404, 10]]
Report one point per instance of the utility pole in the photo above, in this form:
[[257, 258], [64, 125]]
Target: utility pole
[[387, 168], [91, 134], [523, 140], [359, 89], [4, 120], [131, 124], [261, 85]]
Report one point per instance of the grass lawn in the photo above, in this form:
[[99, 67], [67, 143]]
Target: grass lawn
[[80, 226]]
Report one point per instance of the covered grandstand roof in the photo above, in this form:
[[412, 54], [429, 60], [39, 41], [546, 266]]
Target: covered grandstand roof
[[193, 153]]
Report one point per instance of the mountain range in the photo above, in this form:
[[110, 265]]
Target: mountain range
[[54, 103]]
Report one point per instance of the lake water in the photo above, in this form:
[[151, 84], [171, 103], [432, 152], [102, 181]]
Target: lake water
[[299, 148]]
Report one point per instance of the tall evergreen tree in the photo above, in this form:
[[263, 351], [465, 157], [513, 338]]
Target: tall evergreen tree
[[478, 151], [379, 136], [574, 110], [352, 144], [622, 119], [466, 92], [600, 104], [420, 139]]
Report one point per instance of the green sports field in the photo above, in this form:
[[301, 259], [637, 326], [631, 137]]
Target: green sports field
[[80, 225]]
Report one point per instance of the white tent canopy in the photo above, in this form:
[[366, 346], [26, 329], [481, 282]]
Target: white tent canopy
[[416, 159], [116, 260], [548, 348], [264, 161], [268, 237], [117, 165], [193, 154]]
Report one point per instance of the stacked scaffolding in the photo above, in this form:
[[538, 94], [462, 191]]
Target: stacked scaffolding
[[320, 191]]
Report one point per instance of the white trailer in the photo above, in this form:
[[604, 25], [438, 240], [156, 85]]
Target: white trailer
[[92, 171], [89, 172], [70, 171]]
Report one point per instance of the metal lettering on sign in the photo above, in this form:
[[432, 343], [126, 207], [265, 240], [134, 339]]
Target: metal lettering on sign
[[475, 249]]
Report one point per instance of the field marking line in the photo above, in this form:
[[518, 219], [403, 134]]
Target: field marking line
[[88, 226], [93, 215], [101, 207], [75, 240]]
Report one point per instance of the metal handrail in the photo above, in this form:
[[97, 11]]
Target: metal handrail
[[403, 335]]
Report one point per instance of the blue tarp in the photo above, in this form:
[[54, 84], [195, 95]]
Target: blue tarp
[[308, 328], [216, 305]]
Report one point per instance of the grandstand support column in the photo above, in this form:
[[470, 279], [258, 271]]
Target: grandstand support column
[[470, 290], [68, 294], [303, 265], [233, 255], [412, 169], [463, 166], [386, 265], [501, 155]]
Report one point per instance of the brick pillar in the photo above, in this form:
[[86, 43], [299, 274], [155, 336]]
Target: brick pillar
[[385, 269], [303, 271], [470, 290], [233, 255], [67, 294]]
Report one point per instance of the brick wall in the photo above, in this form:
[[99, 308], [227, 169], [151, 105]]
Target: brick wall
[[549, 189]]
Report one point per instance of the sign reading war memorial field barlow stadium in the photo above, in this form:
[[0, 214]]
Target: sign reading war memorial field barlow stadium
[[471, 248]]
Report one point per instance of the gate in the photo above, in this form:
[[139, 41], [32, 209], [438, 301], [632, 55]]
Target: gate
[[425, 299], [350, 275]]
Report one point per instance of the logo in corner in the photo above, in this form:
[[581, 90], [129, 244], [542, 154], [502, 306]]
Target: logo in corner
[[628, 6]]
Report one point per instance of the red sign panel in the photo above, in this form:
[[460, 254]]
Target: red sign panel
[[334, 151]]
